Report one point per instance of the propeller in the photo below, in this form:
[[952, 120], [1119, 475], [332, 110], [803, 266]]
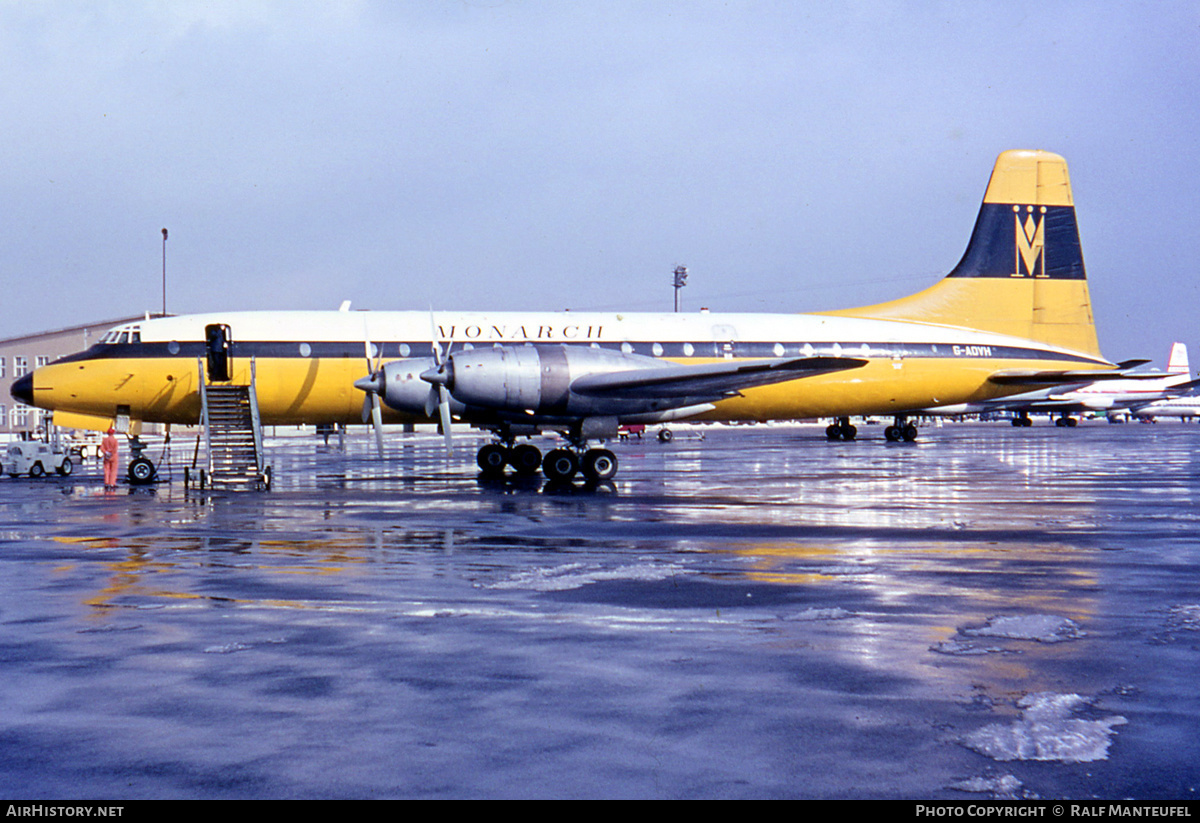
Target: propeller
[[438, 378], [373, 386]]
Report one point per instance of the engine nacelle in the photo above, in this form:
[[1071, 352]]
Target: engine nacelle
[[405, 391]]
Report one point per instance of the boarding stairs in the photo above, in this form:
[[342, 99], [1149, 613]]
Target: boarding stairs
[[232, 434]]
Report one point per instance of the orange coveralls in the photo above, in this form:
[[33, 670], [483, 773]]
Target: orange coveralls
[[109, 448]]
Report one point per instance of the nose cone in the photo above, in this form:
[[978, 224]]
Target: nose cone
[[22, 389], [437, 376], [372, 384]]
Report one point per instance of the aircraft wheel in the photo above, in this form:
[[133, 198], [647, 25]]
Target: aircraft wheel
[[141, 471], [525, 458], [492, 458], [892, 433], [909, 432], [66, 468], [1072, 422], [849, 432], [36, 470], [599, 465], [560, 464], [665, 436]]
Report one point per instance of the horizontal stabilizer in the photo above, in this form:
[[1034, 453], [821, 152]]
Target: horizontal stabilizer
[[1185, 388], [709, 379], [1030, 377]]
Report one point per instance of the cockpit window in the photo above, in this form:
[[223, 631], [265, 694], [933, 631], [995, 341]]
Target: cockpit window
[[125, 334]]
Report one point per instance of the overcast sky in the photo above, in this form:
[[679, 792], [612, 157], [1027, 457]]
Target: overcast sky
[[479, 154]]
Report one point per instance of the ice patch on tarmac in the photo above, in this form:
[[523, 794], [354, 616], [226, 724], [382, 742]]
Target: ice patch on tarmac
[[578, 575], [1002, 787], [1184, 617], [1047, 731], [957, 647], [820, 614], [1044, 628]]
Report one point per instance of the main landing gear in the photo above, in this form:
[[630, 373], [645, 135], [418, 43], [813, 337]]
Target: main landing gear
[[1022, 420], [559, 465], [901, 429], [841, 429]]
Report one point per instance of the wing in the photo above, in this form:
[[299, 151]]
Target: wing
[[707, 380]]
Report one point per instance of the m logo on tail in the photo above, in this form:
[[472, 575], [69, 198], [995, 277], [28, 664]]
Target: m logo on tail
[[1031, 243]]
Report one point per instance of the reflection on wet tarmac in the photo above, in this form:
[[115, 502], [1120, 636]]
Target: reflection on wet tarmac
[[755, 613]]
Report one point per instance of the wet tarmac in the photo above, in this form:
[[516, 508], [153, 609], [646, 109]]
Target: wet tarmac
[[746, 612]]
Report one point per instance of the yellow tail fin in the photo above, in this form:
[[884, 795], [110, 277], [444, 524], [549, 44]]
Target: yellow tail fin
[[1022, 273]]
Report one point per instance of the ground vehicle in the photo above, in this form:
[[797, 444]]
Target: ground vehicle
[[35, 459], [85, 445]]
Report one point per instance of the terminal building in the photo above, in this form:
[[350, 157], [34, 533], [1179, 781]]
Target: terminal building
[[21, 355]]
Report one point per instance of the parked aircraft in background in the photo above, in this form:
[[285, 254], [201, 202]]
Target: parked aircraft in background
[[1185, 407], [1102, 396], [1013, 314]]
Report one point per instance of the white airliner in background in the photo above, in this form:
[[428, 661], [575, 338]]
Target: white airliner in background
[[1137, 389], [1185, 408]]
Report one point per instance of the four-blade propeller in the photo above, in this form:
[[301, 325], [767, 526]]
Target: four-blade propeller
[[437, 378], [373, 386]]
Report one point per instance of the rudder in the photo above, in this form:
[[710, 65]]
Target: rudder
[[1178, 361]]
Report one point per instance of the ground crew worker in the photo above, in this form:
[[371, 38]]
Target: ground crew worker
[[108, 448]]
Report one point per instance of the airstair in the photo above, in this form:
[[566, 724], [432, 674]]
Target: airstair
[[232, 435]]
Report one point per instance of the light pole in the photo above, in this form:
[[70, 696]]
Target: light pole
[[164, 311], [680, 282]]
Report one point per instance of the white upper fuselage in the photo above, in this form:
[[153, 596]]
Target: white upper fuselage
[[790, 331]]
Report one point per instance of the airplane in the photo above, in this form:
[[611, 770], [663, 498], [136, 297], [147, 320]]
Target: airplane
[[1185, 407], [1108, 396], [1013, 314]]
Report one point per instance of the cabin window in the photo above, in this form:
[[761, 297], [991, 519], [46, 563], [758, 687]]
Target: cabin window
[[173, 347], [404, 350], [627, 348], [657, 349], [306, 350], [778, 350], [689, 349]]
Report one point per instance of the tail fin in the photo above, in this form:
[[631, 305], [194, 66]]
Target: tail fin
[[1022, 273], [1178, 363]]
